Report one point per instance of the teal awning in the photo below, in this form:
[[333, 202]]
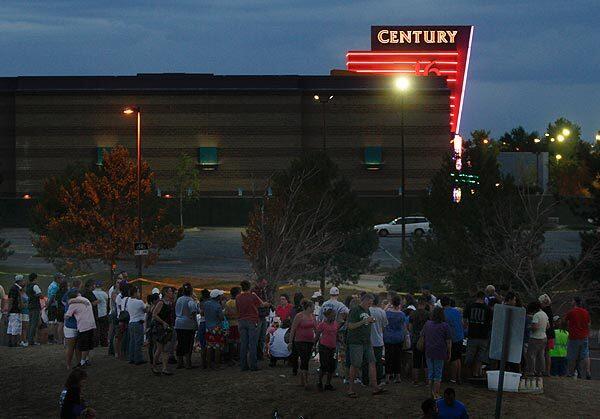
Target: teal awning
[[373, 157], [208, 156]]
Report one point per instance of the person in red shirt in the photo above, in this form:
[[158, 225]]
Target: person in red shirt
[[284, 308], [247, 304], [578, 352]]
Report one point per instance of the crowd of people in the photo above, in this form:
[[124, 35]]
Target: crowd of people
[[367, 340]]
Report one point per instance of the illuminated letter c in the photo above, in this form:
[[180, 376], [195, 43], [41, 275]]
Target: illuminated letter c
[[380, 36]]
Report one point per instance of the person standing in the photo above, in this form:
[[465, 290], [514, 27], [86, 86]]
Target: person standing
[[102, 322], [417, 320], [430, 299], [14, 327], [546, 304], [136, 308], [34, 293], [186, 309], [327, 337], [536, 360], [359, 344], [454, 319], [559, 352], [233, 337], [163, 317], [578, 351], [394, 335], [334, 304], [302, 336], [438, 348], [52, 309], [215, 338], [478, 321], [247, 304], [377, 342], [80, 308], [263, 312]]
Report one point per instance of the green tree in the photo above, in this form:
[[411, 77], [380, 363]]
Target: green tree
[[186, 181], [311, 228], [518, 139], [92, 215]]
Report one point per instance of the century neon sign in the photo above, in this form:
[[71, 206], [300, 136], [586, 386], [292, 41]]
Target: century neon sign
[[423, 51]]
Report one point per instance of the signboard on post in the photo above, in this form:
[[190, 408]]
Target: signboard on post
[[515, 316], [141, 249], [506, 342]]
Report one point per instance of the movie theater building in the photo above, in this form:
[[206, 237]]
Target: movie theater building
[[240, 129]]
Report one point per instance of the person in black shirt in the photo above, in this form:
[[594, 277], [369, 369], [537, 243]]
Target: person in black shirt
[[478, 322]]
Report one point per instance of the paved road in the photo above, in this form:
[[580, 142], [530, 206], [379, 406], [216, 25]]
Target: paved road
[[217, 252]]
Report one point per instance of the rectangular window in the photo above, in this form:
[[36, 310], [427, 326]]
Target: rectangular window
[[373, 160], [208, 157], [100, 153]]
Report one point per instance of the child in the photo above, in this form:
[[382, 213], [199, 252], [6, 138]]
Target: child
[[278, 347], [558, 355], [71, 403], [327, 332]]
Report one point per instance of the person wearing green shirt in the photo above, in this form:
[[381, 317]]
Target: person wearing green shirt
[[359, 347], [558, 354]]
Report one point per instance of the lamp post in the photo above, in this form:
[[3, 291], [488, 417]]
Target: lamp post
[[324, 100], [402, 84], [536, 142], [130, 110]]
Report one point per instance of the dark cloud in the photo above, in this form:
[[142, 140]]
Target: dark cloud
[[532, 60]]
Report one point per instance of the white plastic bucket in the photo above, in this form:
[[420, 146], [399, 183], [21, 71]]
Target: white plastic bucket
[[511, 381]]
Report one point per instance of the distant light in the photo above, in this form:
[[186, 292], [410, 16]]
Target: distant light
[[497, 185], [128, 111], [566, 132], [517, 148], [402, 84], [330, 97], [552, 139], [458, 141], [536, 140], [316, 97], [456, 195], [547, 135], [168, 196], [598, 136], [558, 157], [26, 196], [560, 138], [486, 141]]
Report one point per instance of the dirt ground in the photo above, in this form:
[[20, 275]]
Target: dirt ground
[[32, 379]]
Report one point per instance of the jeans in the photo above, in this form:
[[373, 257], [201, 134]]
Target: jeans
[[248, 344], [536, 357], [435, 367], [262, 335], [578, 350], [34, 323], [136, 341]]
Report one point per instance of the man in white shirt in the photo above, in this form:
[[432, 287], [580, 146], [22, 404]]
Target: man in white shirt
[[377, 327], [101, 337], [536, 357], [137, 314], [337, 306]]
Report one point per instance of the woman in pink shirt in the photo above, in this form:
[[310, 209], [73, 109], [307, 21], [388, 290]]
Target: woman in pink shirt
[[81, 308], [303, 337], [327, 332], [284, 308]]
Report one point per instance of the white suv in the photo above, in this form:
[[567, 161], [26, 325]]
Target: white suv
[[415, 225]]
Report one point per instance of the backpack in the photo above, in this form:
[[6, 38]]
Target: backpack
[[124, 314]]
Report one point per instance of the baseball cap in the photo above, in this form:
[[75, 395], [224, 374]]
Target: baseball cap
[[316, 294], [334, 291], [216, 293], [155, 291], [18, 278]]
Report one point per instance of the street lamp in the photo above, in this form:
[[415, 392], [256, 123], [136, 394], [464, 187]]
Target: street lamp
[[566, 132], [560, 138], [324, 100], [558, 157], [402, 84], [130, 110]]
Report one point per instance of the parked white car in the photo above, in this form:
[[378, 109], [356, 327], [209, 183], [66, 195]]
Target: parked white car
[[415, 226]]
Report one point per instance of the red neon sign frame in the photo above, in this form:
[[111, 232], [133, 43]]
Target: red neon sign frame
[[424, 58]]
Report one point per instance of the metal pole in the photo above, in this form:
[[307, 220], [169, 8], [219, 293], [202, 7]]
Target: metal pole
[[402, 208], [139, 188], [324, 128], [505, 346]]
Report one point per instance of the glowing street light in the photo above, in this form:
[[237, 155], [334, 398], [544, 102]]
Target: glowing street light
[[566, 132], [598, 136], [546, 135], [552, 139], [560, 138], [402, 84], [486, 141], [324, 100], [536, 140], [130, 110], [558, 157]]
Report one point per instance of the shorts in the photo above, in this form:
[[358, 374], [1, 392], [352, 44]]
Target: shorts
[[578, 349], [361, 353], [457, 350], [85, 340], [52, 314], [215, 339], [14, 324], [24, 317], [418, 358], [69, 333], [327, 358], [477, 349], [435, 368]]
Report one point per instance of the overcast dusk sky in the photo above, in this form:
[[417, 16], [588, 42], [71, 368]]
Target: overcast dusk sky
[[531, 61]]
